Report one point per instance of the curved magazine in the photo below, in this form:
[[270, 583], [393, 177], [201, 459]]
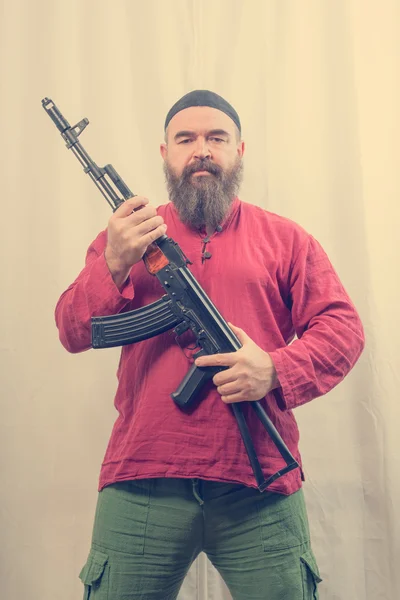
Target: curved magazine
[[133, 326]]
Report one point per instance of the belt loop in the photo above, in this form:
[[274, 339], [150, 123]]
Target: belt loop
[[196, 491]]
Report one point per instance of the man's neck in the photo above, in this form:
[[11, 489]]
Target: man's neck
[[209, 230]]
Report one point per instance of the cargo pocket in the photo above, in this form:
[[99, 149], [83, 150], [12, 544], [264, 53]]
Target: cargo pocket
[[310, 574], [95, 575]]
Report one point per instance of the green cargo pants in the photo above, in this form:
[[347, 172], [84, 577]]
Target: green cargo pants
[[148, 532]]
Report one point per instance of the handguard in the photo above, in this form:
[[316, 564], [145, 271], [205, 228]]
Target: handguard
[[184, 306]]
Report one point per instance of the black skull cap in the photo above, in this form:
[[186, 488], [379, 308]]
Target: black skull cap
[[203, 98]]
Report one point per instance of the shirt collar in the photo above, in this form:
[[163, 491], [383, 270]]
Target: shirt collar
[[226, 222]]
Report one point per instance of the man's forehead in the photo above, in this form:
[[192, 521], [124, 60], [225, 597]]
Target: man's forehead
[[201, 118]]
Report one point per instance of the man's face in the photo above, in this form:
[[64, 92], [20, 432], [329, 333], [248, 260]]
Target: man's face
[[202, 165]]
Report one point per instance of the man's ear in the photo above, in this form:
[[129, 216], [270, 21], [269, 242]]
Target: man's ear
[[163, 150]]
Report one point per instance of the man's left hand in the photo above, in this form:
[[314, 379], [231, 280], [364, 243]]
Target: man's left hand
[[250, 374]]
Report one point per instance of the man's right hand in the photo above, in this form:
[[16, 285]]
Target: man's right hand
[[129, 234]]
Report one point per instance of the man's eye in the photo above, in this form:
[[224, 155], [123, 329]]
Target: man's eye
[[215, 139], [185, 141]]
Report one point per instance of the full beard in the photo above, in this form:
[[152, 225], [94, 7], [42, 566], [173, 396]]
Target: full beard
[[204, 200]]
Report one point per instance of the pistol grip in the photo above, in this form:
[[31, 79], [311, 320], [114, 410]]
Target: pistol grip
[[191, 384]]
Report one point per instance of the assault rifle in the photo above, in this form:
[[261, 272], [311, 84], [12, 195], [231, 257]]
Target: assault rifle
[[185, 306]]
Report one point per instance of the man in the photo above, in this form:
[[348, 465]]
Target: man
[[174, 483]]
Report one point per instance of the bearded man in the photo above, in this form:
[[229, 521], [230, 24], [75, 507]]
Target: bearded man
[[175, 483]]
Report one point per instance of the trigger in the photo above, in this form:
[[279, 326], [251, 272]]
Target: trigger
[[181, 328]]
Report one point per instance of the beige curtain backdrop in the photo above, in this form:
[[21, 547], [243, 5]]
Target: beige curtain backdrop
[[316, 83]]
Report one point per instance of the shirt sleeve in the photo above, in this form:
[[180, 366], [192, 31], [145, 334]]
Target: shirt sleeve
[[93, 293], [329, 331]]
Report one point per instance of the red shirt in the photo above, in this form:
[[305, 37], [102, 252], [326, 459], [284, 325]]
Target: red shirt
[[267, 276]]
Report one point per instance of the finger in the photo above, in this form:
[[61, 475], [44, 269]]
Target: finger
[[225, 376], [154, 235], [148, 225], [230, 398], [229, 389], [240, 334], [131, 204], [139, 216], [216, 360]]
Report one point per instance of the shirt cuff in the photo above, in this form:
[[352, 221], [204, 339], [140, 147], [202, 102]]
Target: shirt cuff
[[285, 396], [101, 291]]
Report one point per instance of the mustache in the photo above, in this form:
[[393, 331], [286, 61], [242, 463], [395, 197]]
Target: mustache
[[201, 166]]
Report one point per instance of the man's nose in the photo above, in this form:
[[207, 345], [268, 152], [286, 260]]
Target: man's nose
[[202, 149]]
